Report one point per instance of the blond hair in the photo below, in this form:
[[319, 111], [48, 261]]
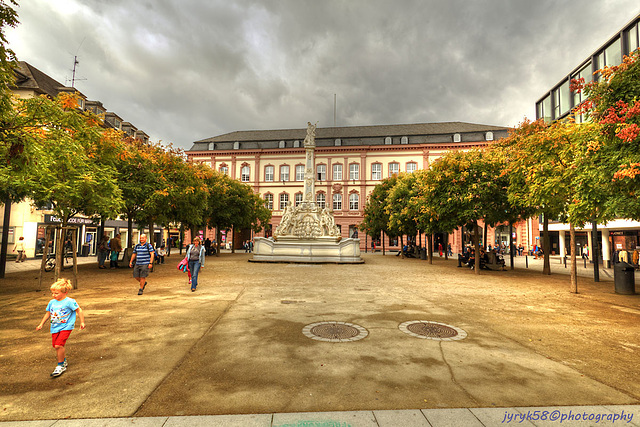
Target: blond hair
[[62, 285]]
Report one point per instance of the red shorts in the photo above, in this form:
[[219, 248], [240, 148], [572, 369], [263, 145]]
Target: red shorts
[[60, 338]]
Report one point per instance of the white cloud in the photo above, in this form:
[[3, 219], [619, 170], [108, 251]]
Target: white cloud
[[190, 69]]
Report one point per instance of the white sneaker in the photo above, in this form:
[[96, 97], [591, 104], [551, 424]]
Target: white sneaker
[[58, 371]]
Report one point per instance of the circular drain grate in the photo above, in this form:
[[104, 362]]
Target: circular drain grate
[[432, 330], [335, 332]]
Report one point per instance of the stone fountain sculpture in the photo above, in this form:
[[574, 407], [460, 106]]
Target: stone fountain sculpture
[[307, 233]]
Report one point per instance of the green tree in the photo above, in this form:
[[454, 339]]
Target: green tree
[[552, 170], [375, 219], [402, 214], [461, 189], [614, 104]]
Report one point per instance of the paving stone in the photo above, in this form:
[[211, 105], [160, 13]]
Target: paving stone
[[251, 420], [114, 422], [405, 418], [325, 419], [451, 418]]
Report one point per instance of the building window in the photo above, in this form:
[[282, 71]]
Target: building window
[[632, 38], [300, 173], [224, 170], [298, 198], [411, 167], [212, 146], [376, 171], [284, 173], [394, 168], [284, 200], [321, 171], [387, 141], [354, 171], [269, 173], [337, 172], [281, 144], [488, 136], [245, 174], [404, 140], [296, 144], [236, 145], [268, 201], [613, 53], [321, 200], [337, 202], [457, 137], [337, 142], [353, 201]]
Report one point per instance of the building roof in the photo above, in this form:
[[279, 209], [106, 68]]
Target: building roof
[[356, 132], [29, 77]]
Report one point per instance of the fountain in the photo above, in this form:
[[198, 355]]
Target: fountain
[[307, 233]]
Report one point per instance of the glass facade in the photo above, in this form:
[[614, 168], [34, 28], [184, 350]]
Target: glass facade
[[559, 101]]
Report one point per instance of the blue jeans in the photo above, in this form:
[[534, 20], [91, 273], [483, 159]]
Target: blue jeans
[[194, 267], [102, 257]]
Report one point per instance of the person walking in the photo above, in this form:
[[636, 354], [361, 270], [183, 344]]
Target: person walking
[[103, 250], [19, 247], [143, 255], [116, 246], [195, 257], [62, 311]]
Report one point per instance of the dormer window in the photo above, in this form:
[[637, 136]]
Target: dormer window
[[488, 136], [457, 137], [236, 145], [281, 144], [296, 144], [387, 141], [337, 142], [404, 140], [212, 146]]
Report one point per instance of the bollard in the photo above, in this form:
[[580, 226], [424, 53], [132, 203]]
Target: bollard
[[459, 261], [526, 260], [565, 261], [585, 262]]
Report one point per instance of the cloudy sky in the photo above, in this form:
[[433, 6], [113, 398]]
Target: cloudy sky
[[185, 70]]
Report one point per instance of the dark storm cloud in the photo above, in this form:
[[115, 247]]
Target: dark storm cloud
[[187, 70]]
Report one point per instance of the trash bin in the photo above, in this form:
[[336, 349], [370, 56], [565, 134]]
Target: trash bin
[[85, 250], [624, 278], [423, 253]]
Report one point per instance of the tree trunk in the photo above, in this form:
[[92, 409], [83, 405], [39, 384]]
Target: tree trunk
[[152, 240], [383, 246], [574, 267], [233, 239], [595, 249], [129, 231], [181, 238], [218, 241], [446, 246], [511, 248], [430, 247], [484, 238], [59, 252], [5, 237], [546, 246], [401, 247], [476, 245]]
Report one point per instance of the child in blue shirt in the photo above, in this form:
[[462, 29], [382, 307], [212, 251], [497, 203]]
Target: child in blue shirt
[[62, 312]]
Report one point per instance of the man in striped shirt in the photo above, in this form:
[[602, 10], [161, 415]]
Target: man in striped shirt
[[143, 254]]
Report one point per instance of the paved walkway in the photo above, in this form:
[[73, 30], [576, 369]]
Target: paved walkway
[[530, 343], [572, 416]]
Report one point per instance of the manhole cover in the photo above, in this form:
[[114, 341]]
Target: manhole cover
[[335, 332], [432, 330]]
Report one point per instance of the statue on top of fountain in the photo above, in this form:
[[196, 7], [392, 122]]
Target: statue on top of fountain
[[307, 220]]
